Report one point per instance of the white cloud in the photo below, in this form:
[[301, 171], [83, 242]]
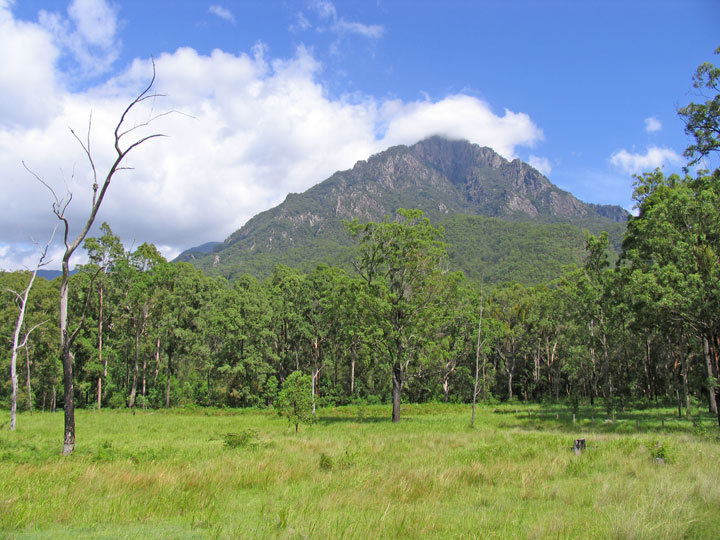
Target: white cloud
[[301, 23], [28, 56], [373, 31], [458, 117], [326, 10], [222, 12], [88, 34], [653, 158], [96, 22], [541, 164], [254, 129], [652, 124]]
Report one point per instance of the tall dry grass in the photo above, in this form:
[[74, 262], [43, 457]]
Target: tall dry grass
[[355, 475]]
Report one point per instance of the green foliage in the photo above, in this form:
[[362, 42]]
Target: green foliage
[[271, 390], [295, 399], [451, 181], [493, 250], [702, 120], [658, 450], [326, 462], [248, 438]]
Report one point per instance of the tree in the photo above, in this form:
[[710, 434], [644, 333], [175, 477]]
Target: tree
[[22, 301], [671, 248], [67, 337], [295, 399], [399, 262], [103, 252], [702, 120]]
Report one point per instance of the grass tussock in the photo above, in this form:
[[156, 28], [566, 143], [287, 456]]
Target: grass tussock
[[355, 475]]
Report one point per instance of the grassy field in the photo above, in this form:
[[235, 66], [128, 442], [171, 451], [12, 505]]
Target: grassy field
[[355, 475]]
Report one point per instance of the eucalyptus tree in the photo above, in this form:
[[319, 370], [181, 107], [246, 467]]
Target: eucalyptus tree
[[103, 252], [672, 248], [238, 334], [60, 205], [509, 306], [323, 313], [702, 120], [295, 399], [400, 262], [355, 333], [283, 289], [21, 299], [184, 295], [454, 329], [140, 302]]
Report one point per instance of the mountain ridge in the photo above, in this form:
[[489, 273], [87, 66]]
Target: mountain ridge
[[442, 177]]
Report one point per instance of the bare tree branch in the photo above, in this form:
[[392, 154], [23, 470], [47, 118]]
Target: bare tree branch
[[60, 206], [23, 300]]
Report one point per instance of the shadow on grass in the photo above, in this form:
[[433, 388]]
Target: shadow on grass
[[598, 421], [330, 420]]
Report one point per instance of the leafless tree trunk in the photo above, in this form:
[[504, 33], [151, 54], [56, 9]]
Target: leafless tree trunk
[[167, 385], [477, 365], [22, 299], [352, 368], [27, 380], [100, 354], [136, 369], [157, 360], [397, 380], [67, 338]]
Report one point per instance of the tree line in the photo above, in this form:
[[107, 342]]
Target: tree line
[[161, 334], [401, 326]]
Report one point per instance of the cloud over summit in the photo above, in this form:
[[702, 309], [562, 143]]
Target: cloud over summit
[[252, 128]]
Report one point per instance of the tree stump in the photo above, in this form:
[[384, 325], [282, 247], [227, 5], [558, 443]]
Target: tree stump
[[579, 446]]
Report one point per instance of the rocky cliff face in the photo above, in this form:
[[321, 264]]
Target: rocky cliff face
[[439, 176]]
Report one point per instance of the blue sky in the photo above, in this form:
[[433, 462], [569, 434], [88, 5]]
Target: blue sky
[[274, 96]]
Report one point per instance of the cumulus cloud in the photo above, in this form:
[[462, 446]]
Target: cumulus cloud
[[28, 57], [458, 117], [222, 12], [652, 124], [654, 157], [541, 164], [88, 34], [250, 130]]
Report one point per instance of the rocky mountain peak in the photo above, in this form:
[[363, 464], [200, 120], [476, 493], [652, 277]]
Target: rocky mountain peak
[[442, 177]]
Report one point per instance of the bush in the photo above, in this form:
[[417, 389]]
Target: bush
[[658, 450], [295, 399], [245, 439], [326, 463]]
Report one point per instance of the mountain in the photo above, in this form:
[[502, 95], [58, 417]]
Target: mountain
[[197, 251], [482, 199]]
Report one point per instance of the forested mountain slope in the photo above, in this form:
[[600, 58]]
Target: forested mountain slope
[[504, 220]]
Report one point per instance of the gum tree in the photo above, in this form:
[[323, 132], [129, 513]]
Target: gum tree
[[400, 262], [123, 132]]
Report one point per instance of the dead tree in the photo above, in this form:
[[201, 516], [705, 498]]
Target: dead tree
[[22, 299], [67, 338]]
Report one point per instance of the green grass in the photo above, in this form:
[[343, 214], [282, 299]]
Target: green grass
[[355, 475]]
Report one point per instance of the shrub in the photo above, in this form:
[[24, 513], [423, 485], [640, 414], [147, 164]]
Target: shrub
[[658, 450], [245, 439], [295, 399], [326, 463]]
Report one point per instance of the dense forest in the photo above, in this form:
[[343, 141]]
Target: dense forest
[[400, 326]]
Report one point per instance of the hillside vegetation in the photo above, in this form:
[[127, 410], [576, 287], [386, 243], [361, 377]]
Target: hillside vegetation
[[452, 182]]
